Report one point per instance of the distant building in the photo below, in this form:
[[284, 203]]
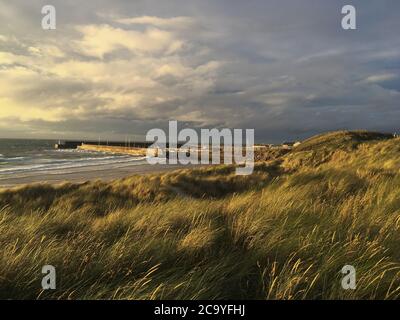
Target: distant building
[[297, 143], [290, 144], [287, 145]]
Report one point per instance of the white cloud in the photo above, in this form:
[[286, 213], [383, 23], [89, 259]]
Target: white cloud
[[175, 22], [377, 78], [99, 40], [51, 83]]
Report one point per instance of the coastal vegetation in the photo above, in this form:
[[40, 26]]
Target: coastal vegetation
[[284, 232]]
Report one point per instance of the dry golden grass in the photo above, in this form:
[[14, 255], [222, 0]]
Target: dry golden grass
[[284, 232]]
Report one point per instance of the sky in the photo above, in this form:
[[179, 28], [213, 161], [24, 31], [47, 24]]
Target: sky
[[119, 68]]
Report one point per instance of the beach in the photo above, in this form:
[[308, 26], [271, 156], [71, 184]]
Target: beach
[[36, 161], [101, 172]]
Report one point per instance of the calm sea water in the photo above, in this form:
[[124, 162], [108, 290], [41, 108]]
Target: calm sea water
[[18, 157]]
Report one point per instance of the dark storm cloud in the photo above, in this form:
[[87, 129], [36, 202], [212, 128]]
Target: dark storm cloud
[[285, 68]]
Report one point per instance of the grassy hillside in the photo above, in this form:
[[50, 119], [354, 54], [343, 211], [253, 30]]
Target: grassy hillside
[[284, 232]]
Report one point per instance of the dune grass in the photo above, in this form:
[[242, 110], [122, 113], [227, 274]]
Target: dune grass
[[284, 232]]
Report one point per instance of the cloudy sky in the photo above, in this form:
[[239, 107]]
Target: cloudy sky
[[121, 67]]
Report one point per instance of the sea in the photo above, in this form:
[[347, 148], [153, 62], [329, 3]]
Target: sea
[[21, 157]]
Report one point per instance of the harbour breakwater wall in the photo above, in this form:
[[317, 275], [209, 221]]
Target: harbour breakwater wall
[[74, 144], [140, 149], [142, 152], [134, 151]]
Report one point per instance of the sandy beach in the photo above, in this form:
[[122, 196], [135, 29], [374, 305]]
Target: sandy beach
[[101, 172]]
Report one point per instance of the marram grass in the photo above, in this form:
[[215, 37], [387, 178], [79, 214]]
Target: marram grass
[[284, 232]]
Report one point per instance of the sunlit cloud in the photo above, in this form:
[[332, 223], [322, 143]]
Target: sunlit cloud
[[99, 40]]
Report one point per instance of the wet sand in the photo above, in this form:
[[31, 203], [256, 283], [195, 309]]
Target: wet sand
[[83, 174]]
